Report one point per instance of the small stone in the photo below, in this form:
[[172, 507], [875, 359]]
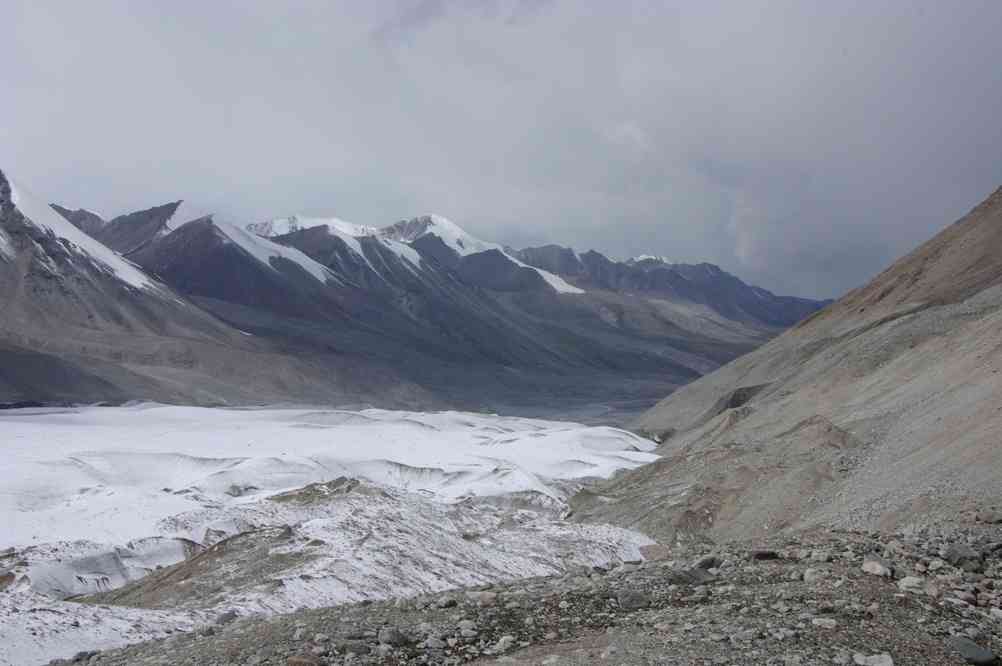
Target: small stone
[[990, 516], [824, 622], [227, 617], [814, 575], [392, 636], [959, 554], [633, 600], [882, 659], [708, 562], [911, 584], [655, 552], [353, 647], [762, 554], [971, 651], [302, 660], [482, 598], [821, 556], [876, 566], [504, 644]]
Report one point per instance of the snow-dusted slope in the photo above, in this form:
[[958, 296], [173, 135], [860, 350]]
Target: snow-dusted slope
[[42, 216], [457, 239], [96, 497], [265, 250], [348, 232]]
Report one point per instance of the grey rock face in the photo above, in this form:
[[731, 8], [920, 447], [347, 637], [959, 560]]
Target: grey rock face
[[128, 233], [86, 221]]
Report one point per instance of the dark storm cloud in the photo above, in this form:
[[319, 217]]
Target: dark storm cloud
[[802, 145]]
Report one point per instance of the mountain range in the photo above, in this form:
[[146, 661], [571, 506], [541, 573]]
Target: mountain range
[[161, 304]]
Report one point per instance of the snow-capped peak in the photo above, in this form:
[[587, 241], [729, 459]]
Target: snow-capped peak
[[183, 213], [650, 257], [464, 244], [450, 233], [287, 225], [42, 216], [265, 250]]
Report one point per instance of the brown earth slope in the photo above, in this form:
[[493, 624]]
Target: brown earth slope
[[883, 410]]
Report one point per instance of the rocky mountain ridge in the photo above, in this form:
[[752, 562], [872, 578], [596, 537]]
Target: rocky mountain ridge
[[432, 315]]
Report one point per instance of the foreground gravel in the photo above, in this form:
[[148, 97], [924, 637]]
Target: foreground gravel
[[829, 598]]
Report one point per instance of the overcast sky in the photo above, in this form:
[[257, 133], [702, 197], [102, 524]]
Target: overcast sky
[[800, 145]]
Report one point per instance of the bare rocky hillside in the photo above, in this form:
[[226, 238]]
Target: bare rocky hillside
[[880, 411]]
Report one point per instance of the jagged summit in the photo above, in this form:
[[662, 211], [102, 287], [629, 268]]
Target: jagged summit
[[287, 225], [85, 220], [128, 233], [649, 258], [21, 209], [455, 237]]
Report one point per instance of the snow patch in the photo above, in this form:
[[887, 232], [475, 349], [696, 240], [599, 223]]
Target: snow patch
[[6, 250], [650, 257], [265, 250], [286, 225], [456, 238]]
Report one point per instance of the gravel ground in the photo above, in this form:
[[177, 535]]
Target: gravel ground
[[832, 597]]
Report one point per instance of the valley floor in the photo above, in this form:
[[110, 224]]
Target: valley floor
[[278, 509], [156, 535]]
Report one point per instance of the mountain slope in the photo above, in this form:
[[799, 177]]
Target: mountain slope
[[86, 221], [82, 324], [418, 313], [127, 233], [705, 284], [881, 410]]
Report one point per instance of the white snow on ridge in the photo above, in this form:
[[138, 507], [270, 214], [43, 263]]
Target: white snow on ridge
[[459, 240], [285, 225], [264, 250], [650, 257], [6, 251], [451, 234], [403, 250], [41, 215], [348, 232]]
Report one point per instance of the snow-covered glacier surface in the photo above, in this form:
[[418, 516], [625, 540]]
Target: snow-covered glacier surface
[[329, 505]]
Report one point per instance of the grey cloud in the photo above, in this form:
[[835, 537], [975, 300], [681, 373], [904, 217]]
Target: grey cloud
[[802, 145]]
